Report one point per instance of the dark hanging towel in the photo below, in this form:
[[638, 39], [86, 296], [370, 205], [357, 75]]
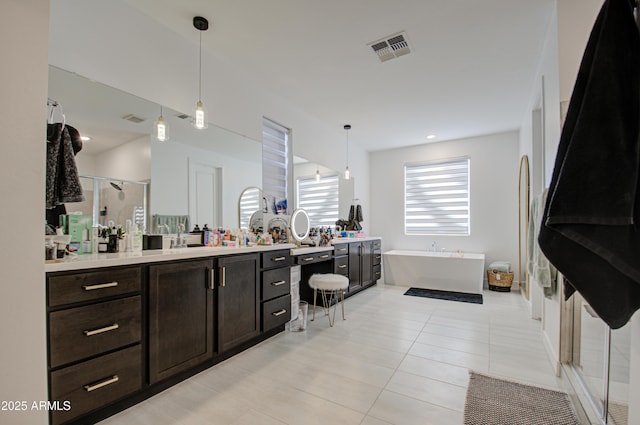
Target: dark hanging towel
[[589, 227], [62, 182], [359, 213]]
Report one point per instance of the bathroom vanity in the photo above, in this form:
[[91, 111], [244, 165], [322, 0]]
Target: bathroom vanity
[[125, 326]]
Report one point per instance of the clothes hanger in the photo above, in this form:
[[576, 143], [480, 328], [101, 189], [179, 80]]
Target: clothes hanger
[[53, 106]]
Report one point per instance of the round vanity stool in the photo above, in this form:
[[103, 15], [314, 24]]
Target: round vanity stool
[[329, 285]]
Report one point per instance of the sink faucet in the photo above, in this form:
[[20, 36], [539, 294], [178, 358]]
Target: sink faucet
[[434, 246]]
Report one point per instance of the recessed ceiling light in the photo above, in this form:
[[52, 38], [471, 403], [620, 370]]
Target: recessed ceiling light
[[431, 136], [85, 138]]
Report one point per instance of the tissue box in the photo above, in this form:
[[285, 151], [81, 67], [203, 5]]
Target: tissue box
[[151, 242]]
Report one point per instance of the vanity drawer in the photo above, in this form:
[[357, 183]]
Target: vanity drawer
[[91, 286], [313, 258], [96, 383], [80, 332], [340, 249], [341, 265], [276, 312], [377, 257], [279, 258], [377, 244], [377, 272], [276, 282]]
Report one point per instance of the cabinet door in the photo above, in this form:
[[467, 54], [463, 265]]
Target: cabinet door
[[181, 317], [355, 252], [366, 267], [238, 299]]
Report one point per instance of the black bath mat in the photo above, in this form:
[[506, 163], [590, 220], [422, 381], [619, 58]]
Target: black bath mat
[[445, 295]]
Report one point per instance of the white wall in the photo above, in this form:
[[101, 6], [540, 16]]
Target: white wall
[[544, 95], [129, 161], [170, 179], [23, 84], [494, 189]]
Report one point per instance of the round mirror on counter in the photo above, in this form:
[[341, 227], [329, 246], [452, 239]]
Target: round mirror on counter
[[300, 225], [250, 208]]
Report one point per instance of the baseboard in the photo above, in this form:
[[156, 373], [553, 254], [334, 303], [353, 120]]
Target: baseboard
[[553, 356]]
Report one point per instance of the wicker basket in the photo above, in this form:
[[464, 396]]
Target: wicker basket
[[499, 281]]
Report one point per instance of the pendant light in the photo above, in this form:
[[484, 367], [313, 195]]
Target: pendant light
[[199, 115], [347, 173], [317, 174], [161, 128]]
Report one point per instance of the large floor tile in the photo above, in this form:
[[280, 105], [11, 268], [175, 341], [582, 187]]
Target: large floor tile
[[400, 409], [396, 360]]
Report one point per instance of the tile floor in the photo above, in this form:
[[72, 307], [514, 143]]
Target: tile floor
[[395, 360]]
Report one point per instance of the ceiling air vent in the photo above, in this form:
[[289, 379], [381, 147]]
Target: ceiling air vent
[[133, 118], [391, 47]]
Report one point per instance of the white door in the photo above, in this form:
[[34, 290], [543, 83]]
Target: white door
[[205, 194]]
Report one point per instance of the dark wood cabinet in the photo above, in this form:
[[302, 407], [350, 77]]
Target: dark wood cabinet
[[238, 289], [362, 257], [275, 298], [95, 339], [181, 317], [121, 334]]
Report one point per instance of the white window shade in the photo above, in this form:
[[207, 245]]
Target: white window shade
[[320, 199], [274, 159], [249, 203], [436, 198]]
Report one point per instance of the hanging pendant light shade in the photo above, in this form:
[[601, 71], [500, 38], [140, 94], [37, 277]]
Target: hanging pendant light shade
[[161, 128], [347, 173], [199, 114]]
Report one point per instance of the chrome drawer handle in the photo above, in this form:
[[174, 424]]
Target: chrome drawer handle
[[98, 385], [378, 257], [279, 259], [342, 249], [279, 312], [278, 283], [308, 259], [101, 330], [324, 256], [99, 286], [342, 266]]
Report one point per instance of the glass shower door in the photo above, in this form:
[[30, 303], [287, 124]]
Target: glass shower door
[[600, 359]]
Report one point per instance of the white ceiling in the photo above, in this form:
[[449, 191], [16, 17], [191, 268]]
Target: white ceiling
[[470, 72]]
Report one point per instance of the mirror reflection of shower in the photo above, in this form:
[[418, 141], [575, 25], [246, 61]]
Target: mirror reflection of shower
[[113, 200], [119, 188]]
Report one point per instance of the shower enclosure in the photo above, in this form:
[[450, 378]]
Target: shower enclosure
[[112, 200]]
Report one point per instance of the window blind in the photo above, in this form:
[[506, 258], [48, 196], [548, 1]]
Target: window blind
[[436, 198], [274, 159], [320, 199], [249, 203]]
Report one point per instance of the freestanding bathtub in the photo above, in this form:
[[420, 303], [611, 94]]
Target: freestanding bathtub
[[445, 271]]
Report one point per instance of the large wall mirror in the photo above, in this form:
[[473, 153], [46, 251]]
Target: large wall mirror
[[197, 173], [322, 192]]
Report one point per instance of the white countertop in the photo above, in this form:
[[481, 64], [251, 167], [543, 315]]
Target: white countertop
[[88, 261]]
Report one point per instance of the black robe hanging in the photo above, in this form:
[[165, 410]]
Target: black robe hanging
[[590, 223]]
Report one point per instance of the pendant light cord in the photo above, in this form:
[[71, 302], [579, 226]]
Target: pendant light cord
[[200, 71]]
